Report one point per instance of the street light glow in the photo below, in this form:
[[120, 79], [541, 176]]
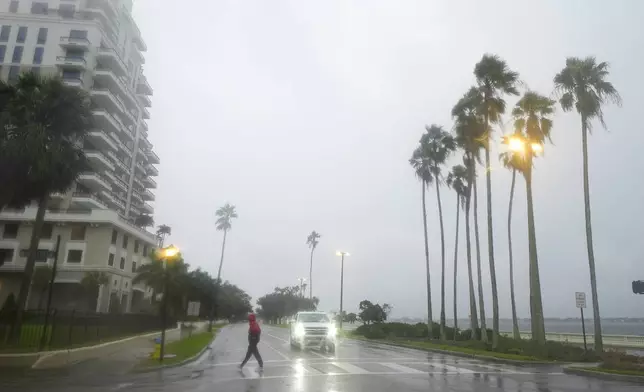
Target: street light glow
[[537, 147], [340, 253], [516, 144], [170, 251]]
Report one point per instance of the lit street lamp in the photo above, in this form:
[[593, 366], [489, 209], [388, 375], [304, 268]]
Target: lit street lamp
[[341, 254], [165, 254]]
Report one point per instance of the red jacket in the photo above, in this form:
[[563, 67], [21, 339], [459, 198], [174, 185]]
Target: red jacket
[[253, 328]]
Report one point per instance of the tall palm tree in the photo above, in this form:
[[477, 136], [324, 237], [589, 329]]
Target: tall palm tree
[[44, 122], [435, 146], [532, 118], [225, 216], [163, 231], [479, 269], [468, 128], [456, 179], [582, 85], [312, 242], [494, 79], [512, 160]]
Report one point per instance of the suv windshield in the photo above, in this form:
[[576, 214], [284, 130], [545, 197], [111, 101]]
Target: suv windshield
[[313, 318]]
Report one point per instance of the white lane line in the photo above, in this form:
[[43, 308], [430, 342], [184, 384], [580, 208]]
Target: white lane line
[[497, 368], [277, 351], [319, 355], [401, 368], [278, 338], [122, 385], [349, 368], [451, 368]]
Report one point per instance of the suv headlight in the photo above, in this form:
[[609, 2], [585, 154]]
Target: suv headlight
[[299, 330], [332, 331]]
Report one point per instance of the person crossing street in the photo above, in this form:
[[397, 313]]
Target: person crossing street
[[254, 332]]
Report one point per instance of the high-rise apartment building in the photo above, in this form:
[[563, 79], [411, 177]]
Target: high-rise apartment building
[[95, 45]]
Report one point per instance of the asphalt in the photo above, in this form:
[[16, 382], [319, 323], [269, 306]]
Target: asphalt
[[356, 366]]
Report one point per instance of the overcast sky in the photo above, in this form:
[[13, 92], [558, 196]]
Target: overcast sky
[[304, 114]]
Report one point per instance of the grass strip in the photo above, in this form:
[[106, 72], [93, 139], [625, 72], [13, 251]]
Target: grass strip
[[181, 349]]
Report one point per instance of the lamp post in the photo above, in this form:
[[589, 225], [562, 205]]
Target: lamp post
[[166, 253], [341, 254]]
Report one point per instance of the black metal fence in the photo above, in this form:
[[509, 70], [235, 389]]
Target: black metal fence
[[69, 329]]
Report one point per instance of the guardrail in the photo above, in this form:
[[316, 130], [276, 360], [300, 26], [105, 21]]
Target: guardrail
[[633, 341]]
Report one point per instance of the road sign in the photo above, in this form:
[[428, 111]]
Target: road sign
[[193, 308], [580, 299]]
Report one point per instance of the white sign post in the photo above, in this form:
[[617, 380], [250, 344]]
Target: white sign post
[[580, 300], [193, 308]]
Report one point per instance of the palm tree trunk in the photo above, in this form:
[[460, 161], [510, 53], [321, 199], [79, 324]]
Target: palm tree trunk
[[311, 276], [490, 249], [429, 288], [515, 322], [29, 268], [599, 342], [458, 212], [474, 324], [221, 261], [478, 264], [440, 220], [536, 307]]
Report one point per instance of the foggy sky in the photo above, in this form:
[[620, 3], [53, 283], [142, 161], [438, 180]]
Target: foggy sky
[[304, 115]]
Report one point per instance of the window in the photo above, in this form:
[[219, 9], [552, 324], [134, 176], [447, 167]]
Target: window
[[78, 232], [22, 34], [74, 256], [5, 32], [126, 285], [39, 8], [10, 230], [66, 10], [46, 231], [145, 251], [133, 266], [17, 54], [136, 246], [76, 75], [110, 260], [115, 235], [42, 36], [115, 282], [13, 6], [38, 55], [122, 266], [78, 34], [14, 71], [125, 240], [3, 51], [42, 255], [6, 256]]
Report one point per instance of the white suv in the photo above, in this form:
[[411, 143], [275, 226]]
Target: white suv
[[313, 329]]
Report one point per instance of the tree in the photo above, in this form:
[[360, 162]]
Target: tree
[[434, 148], [312, 242], [479, 271], [512, 161], [469, 131], [351, 318], [284, 302], [176, 283], [225, 216], [582, 85], [162, 232], [43, 124], [373, 313], [144, 220], [494, 79], [91, 283], [40, 282], [456, 180], [532, 126]]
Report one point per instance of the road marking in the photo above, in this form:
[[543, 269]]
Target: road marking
[[401, 368], [497, 368], [277, 351], [122, 385], [319, 355], [350, 368], [451, 368], [278, 338]]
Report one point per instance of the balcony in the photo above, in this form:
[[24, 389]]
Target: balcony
[[87, 200], [118, 161], [73, 81], [120, 184], [75, 43], [140, 167], [129, 131], [144, 100], [109, 59], [147, 208], [98, 161], [71, 62], [94, 181], [149, 182], [143, 87], [102, 140], [136, 196], [105, 98], [110, 25], [109, 79], [146, 114], [138, 181], [152, 171], [148, 195], [152, 157], [106, 121], [113, 200]]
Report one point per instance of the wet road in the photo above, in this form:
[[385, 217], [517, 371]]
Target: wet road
[[356, 366]]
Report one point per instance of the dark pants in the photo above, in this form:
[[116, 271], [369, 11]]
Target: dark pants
[[252, 350]]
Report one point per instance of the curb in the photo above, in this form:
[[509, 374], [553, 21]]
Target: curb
[[466, 355], [604, 376]]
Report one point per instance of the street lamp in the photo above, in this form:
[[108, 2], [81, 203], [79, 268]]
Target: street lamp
[[302, 282], [165, 254], [341, 254]]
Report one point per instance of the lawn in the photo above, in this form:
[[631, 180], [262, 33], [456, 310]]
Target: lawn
[[182, 349]]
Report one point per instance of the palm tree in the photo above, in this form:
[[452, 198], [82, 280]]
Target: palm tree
[[512, 161], [494, 78], [91, 283], [40, 282], [144, 220], [312, 242], [468, 128], [162, 232], [176, 281], [456, 180], [532, 119], [435, 146], [225, 216], [582, 84], [479, 270], [43, 123]]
